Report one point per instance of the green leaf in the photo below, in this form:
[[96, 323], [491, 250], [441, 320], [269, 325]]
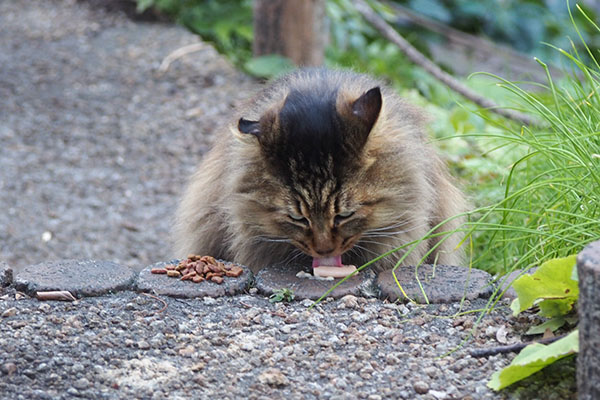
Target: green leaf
[[533, 358], [281, 295], [268, 66], [143, 5], [552, 324], [515, 306], [575, 275], [550, 287]]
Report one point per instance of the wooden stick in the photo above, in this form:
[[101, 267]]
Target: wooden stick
[[418, 58], [511, 348], [159, 299], [61, 295]]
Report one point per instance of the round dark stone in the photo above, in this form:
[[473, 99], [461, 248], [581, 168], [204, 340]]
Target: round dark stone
[[442, 284], [164, 285], [274, 278], [80, 277], [6, 274], [590, 256]]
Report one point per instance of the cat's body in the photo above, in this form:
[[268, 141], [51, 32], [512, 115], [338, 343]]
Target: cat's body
[[322, 161]]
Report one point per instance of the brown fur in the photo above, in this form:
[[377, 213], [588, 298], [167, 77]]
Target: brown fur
[[238, 204]]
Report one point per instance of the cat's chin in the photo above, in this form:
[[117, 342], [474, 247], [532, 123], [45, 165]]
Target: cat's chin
[[327, 261]]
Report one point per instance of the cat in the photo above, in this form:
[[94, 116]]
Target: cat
[[321, 166]]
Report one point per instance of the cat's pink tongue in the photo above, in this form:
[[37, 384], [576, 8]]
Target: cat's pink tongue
[[329, 261]]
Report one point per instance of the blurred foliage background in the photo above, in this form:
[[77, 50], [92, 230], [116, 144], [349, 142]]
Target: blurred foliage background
[[517, 221]]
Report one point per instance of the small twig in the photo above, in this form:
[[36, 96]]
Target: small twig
[[180, 52], [512, 348], [61, 295], [159, 299], [418, 58], [246, 305]]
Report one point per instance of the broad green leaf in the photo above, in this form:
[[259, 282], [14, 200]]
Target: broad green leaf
[[552, 324], [268, 66], [533, 358], [550, 287], [515, 306]]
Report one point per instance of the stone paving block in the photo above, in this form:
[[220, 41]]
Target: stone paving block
[[6, 274], [80, 277], [442, 284], [271, 279], [164, 285]]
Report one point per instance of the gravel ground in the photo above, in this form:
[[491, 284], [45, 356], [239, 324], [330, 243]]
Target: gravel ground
[[131, 346], [95, 147], [95, 144]]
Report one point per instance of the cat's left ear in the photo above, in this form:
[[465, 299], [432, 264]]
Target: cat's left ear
[[247, 126], [367, 107]]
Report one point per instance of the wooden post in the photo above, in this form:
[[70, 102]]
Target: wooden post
[[292, 28], [588, 359]]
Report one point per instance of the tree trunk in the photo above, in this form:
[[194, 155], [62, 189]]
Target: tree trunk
[[588, 359], [291, 28]]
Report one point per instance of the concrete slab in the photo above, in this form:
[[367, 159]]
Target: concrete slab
[[164, 285], [271, 279], [442, 284], [80, 277], [6, 274]]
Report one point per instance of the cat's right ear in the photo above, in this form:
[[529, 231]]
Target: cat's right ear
[[367, 107], [249, 127]]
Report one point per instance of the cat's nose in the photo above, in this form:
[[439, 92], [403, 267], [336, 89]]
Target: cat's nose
[[325, 252]]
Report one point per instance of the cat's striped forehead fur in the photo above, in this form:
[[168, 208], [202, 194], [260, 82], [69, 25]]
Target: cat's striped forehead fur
[[313, 139]]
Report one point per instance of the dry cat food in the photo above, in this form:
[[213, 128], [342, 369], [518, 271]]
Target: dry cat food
[[197, 269]]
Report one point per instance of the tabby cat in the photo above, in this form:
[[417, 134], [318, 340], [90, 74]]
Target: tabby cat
[[320, 167]]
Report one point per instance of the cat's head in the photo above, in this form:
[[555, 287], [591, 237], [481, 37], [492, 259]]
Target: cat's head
[[313, 145]]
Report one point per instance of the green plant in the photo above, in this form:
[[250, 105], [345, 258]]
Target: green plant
[[553, 289], [550, 205], [280, 295]]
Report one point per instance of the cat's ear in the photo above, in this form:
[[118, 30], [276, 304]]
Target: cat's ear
[[263, 129], [367, 107], [249, 127]]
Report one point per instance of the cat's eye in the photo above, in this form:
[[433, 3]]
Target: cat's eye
[[298, 218], [345, 214], [338, 219]]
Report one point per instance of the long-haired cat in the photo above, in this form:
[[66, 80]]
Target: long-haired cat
[[320, 167]]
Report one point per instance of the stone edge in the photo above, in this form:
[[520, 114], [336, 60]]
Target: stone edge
[[6, 274]]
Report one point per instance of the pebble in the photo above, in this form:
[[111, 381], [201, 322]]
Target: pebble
[[143, 345], [10, 312], [8, 368], [348, 301], [81, 384], [421, 387], [438, 394], [273, 377]]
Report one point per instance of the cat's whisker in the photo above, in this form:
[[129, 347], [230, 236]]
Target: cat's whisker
[[394, 233], [357, 246], [391, 226], [385, 228], [382, 244], [262, 238], [292, 256]]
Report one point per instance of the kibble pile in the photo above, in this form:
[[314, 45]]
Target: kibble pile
[[198, 268]]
